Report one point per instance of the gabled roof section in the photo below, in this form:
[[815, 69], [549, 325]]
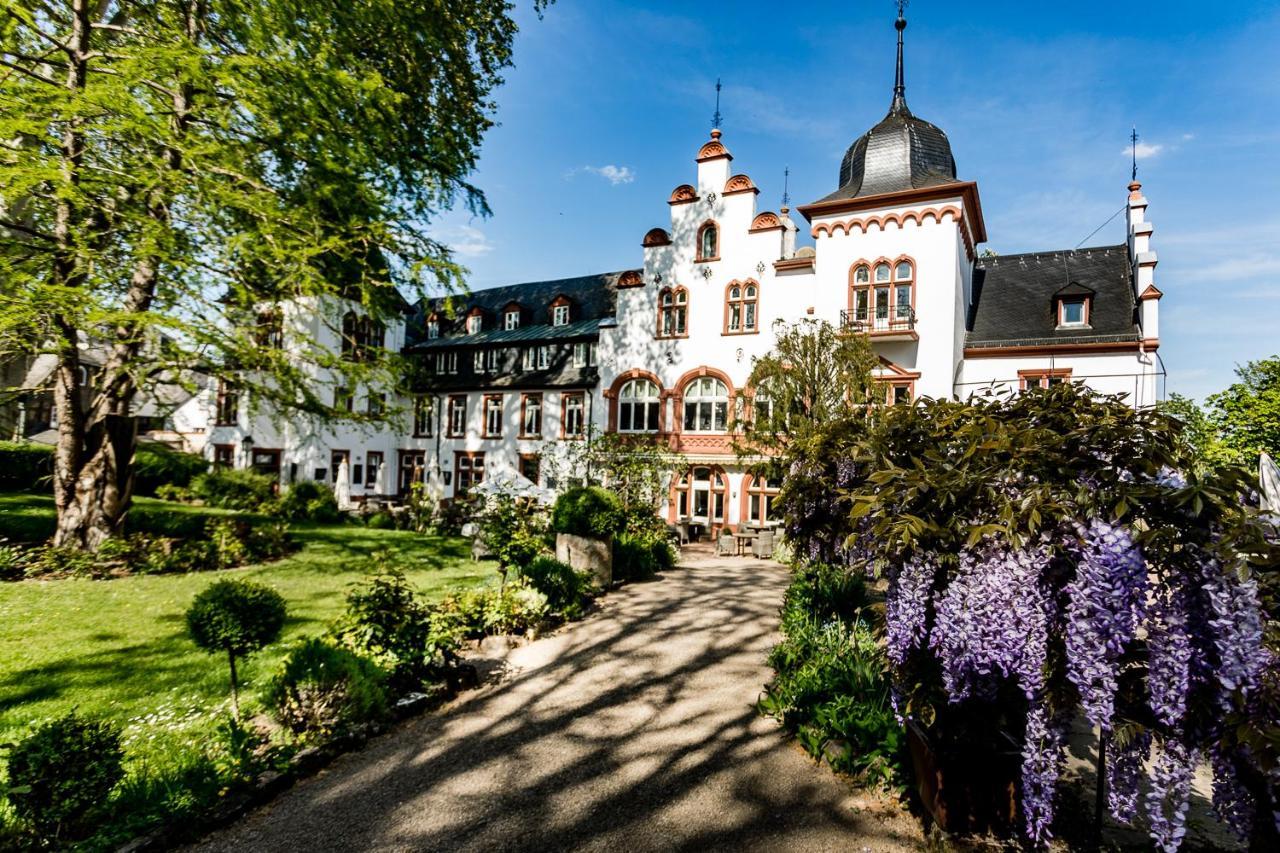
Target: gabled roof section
[[1014, 295], [594, 298]]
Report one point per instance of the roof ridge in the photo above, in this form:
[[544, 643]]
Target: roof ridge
[[1079, 251]]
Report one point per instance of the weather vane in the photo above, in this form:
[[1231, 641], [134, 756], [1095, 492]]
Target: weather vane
[[1133, 140], [786, 184], [715, 119], [902, 7]]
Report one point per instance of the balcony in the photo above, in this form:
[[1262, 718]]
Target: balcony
[[895, 327]]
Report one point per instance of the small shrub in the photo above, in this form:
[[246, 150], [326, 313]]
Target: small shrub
[[227, 542], [641, 555], [236, 617], [307, 500], [25, 467], [323, 688], [567, 591], [235, 488], [822, 593], [177, 494], [588, 511], [380, 521], [158, 465], [515, 607], [387, 622], [515, 531], [62, 772], [13, 560]]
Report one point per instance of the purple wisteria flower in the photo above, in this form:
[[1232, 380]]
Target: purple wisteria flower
[[907, 607], [1236, 621], [1106, 602], [1232, 802], [1170, 794], [1124, 776], [1170, 654], [1043, 752], [993, 621]]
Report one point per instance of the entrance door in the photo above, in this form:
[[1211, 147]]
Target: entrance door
[[413, 469]]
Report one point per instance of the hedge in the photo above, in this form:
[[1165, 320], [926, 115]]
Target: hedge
[[26, 467]]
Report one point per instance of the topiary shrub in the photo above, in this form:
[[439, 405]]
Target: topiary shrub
[[236, 617], [308, 500], [25, 467], [323, 688], [567, 591], [588, 511], [235, 488], [156, 465], [62, 772]]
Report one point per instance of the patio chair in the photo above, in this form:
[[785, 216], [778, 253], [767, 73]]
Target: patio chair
[[762, 545], [682, 530], [726, 544]]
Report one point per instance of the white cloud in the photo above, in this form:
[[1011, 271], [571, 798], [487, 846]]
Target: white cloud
[[1145, 150], [615, 175], [465, 240]]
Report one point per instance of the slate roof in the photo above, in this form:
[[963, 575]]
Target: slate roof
[[1013, 298], [593, 298], [902, 152]]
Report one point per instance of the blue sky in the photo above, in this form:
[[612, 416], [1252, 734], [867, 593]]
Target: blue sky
[[609, 101]]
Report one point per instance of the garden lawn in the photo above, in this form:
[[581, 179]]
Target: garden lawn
[[119, 648]]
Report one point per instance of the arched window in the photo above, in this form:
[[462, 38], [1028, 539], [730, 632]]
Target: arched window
[[673, 313], [701, 496], [882, 298], [638, 404], [706, 405], [740, 308], [761, 494], [709, 242]]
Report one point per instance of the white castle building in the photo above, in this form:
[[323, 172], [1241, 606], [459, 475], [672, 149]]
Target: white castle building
[[666, 348]]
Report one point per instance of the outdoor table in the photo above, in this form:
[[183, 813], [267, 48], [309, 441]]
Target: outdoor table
[[742, 540]]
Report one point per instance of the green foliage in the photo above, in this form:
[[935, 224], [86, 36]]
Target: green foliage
[[567, 591], [323, 689], [832, 685], [815, 374], [1246, 414], [588, 511], [156, 465], [25, 466], [514, 530], [235, 488], [514, 607], [832, 688], [636, 468], [641, 554], [386, 622], [235, 616], [380, 521], [62, 772], [307, 500]]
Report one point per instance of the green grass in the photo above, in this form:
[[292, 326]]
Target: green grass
[[118, 649]]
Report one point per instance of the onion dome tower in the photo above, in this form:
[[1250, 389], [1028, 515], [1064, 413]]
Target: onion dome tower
[[902, 152]]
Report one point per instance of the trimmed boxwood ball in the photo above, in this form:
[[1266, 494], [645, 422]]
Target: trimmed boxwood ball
[[237, 617], [588, 511], [62, 771], [323, 688]]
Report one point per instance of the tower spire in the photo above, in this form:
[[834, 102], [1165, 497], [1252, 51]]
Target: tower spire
[[717, 118], [1133, 141], [899, 80]]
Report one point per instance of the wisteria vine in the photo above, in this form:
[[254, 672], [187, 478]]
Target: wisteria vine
[[1051, 543]]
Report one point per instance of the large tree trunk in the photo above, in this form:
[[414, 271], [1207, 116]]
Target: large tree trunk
[[94, 499]]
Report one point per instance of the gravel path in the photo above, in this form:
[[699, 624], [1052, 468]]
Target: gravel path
[[631, 730]]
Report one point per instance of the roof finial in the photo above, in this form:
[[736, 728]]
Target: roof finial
[[716, 119], [899, 81], [786, 194], [1133, 140]]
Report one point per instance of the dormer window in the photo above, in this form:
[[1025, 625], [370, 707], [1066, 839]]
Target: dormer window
[[433, 329], [475, 323], [1072, 306], [708, 242], [511, 320], [560, 311], [1072, 312]]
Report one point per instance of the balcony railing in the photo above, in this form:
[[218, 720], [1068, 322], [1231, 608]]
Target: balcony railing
[[864, 321]]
